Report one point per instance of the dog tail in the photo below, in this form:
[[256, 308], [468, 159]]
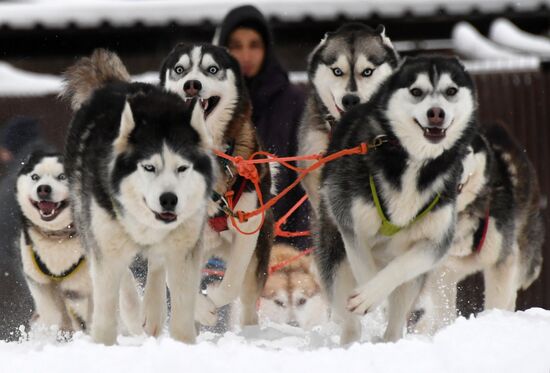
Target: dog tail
[[91, 73]]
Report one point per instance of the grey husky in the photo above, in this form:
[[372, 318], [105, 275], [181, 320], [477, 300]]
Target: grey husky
[[212, 76], [499, 230], [344, 70], [388, 217]]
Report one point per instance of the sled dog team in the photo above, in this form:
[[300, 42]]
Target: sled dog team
[[435, 197]]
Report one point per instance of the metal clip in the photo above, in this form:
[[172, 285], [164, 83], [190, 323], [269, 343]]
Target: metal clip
[[228, 171], [379, 140]]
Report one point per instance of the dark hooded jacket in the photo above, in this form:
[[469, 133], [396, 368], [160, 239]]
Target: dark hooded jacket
[[277, 107]]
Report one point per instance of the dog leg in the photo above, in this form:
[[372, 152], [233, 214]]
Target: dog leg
[[250, 294], [400, 304], [154, 297], [130, 305], [241, 251], [501, 283], [183, 273], [343, 285], [416, 261], [47, 305], [106, 278], [440, 289]]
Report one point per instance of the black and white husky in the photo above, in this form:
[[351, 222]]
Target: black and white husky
[[345, 70], [212, 76], [388, 217], [499, 230], [54, 262], [140, 177]]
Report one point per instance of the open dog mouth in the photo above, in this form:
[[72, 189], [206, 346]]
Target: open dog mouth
[[433, 134], [49, 210], [208, 104], [166, 216], [340, 111]]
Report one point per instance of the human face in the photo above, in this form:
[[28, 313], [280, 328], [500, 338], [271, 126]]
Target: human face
[[248, 47]]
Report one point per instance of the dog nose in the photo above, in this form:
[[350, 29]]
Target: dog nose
[[168, 201], [44, 191], [349, 101], [192, 87], [293, 323], [436, 116]]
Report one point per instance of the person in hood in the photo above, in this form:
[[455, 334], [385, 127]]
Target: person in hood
[[277, 104]]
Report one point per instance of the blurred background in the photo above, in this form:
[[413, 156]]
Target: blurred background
[[505, 45]]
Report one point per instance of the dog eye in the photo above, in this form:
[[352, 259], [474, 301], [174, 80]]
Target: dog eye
[[213, 69], [149, 167], [367, 72], [35, 177], [302, 301], [451, 91], [182, 169], [279, 303], [416, 92], [61, 177], [337, 71], [178, 69]]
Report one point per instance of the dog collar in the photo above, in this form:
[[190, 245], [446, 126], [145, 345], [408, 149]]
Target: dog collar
[[388, 228], [43, 268], [67, 233]]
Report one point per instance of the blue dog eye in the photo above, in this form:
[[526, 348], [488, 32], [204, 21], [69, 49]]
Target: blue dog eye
[[337, 71], [149, 168]]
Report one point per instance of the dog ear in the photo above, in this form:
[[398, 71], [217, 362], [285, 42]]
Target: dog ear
[[199, 124], [380, 30], [127, 125]]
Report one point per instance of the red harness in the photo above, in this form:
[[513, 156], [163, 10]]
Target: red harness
[[219, 223], [479, 245]]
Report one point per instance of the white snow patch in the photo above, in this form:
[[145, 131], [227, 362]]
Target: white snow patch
[[496, 341]]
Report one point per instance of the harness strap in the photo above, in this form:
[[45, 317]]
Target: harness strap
[[388, 228], [219, 223], [478, 243], [43, 268]]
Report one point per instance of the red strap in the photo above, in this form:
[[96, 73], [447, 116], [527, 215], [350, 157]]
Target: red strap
[[284, 263], [219, 223], [484, 234], [282, 220]]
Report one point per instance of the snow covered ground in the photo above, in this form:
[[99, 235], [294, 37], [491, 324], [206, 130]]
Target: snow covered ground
[[495, 341]]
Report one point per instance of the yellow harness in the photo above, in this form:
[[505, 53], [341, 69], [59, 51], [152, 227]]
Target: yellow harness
[[388, 228]]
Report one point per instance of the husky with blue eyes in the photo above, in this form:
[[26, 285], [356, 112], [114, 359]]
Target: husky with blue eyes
[[140, 174], [388, 217], [345, 70], [210, 75], [53, 260]]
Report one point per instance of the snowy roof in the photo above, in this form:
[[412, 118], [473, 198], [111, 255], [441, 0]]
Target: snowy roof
[[18, 83], [91, 13]]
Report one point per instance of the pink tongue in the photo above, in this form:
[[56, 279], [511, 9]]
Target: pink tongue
[[46, 206]]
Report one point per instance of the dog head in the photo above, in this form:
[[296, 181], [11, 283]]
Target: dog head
[[292, 295], [429, 105], [349, 65], [43, 191], [161, 173], [211, 75]]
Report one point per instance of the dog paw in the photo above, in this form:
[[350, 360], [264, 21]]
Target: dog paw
[[152, 326], [364, 299], [205, 311]]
